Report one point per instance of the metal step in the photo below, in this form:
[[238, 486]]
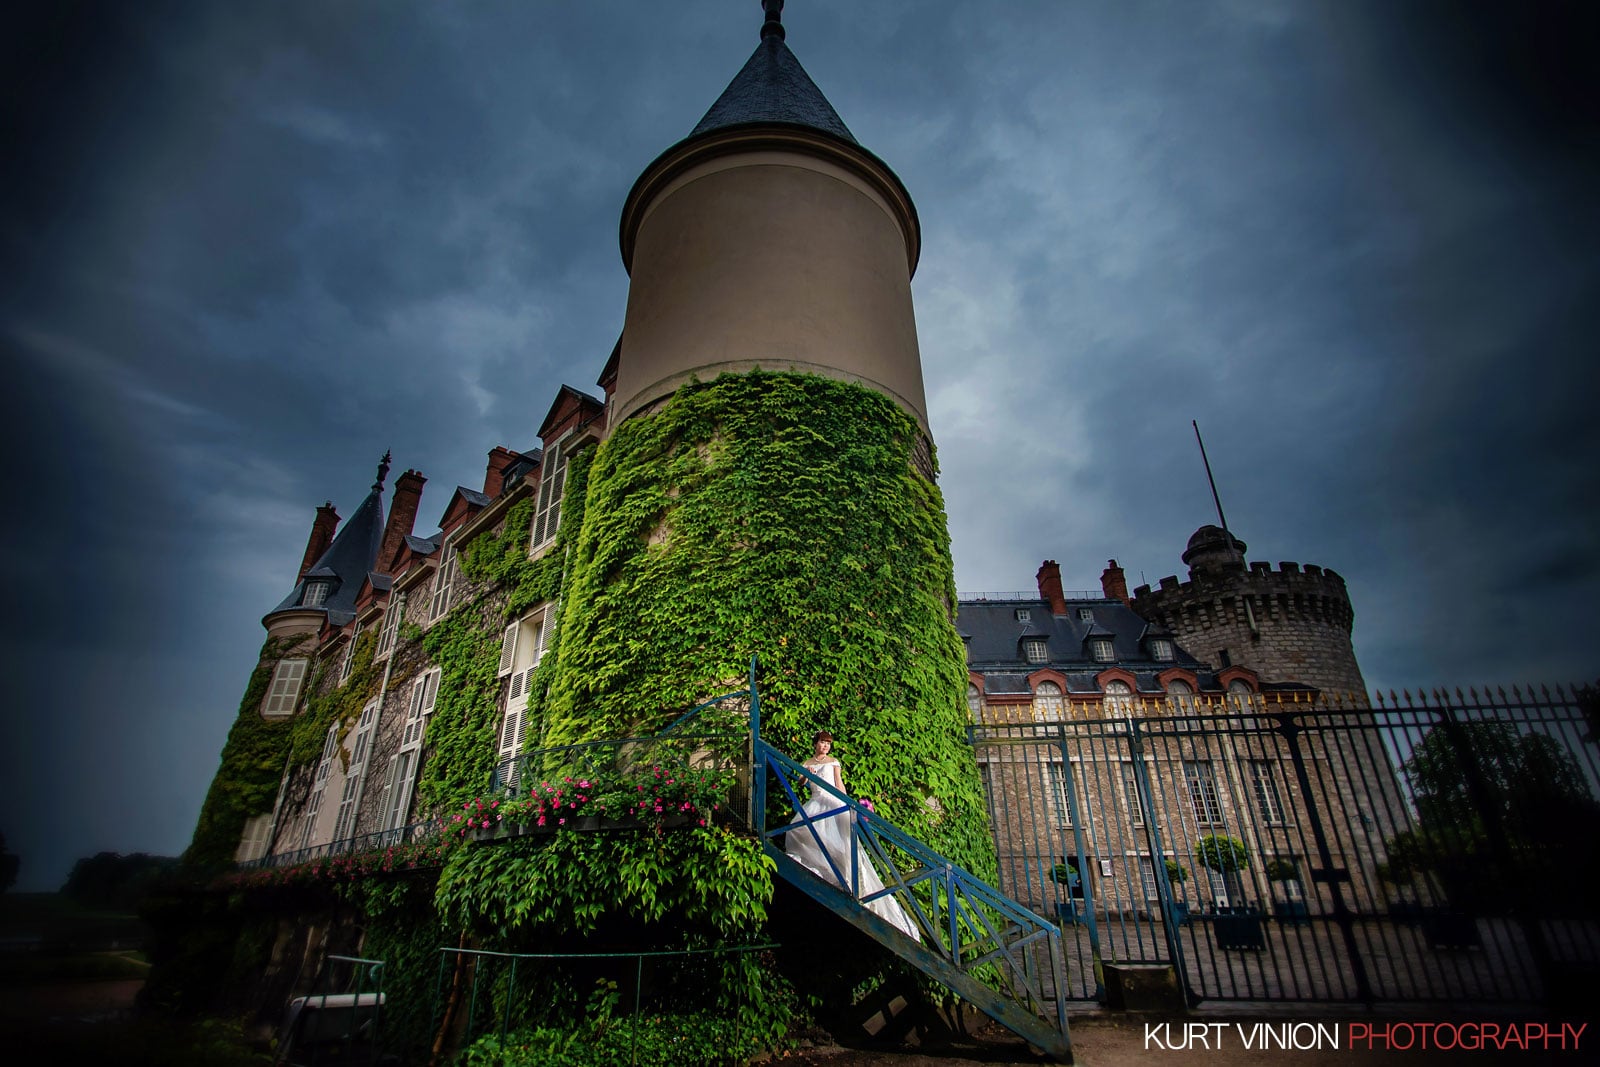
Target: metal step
[[1003, 1010]]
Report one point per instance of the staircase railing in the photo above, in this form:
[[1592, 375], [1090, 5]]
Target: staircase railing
[[967, 926]]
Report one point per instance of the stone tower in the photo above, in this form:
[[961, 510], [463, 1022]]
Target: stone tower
[[1292, 623], [765, 484], [769, 238]]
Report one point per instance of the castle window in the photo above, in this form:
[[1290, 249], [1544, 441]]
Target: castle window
[[1130, 793], [1056, 787], [256, 839], [1180, 699], [1086, 615], [308, 821], [1033, 649], [521, 648], [402, 775], [1160, 649], [391, 628], [284, 692], [1263, 783], [349, 655], [1101, 649], [443, 582], [1048, 702], [547, 512], [1118, 700], [1203, 797], [315, 593], [1024, 614], [1223, 659], [344, 826]]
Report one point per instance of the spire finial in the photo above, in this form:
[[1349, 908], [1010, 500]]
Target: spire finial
[[383, 472], [773, 27]]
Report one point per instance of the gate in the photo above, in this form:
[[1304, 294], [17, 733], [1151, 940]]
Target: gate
[[1441, 848]]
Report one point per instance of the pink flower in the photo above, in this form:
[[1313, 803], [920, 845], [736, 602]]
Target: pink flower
[[494, 804]]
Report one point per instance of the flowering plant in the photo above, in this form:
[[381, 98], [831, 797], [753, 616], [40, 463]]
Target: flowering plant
[[650, 795], [426, 850]]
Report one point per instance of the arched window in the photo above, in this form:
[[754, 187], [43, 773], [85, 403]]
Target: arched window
[[974, 702], [1048, 702], [1242, 701], [1118, 700], [1180, 701]]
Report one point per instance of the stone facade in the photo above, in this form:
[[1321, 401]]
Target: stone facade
[[1292, 622]]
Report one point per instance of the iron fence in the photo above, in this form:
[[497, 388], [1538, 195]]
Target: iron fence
[[1424, 849]]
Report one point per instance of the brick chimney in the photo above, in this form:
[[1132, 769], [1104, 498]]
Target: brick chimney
[[1113, 583], [402, 514], [495, 473], [322, 528], [1049, 578]]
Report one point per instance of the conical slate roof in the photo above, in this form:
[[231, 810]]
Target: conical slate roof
[[773, 87], [352, 554]]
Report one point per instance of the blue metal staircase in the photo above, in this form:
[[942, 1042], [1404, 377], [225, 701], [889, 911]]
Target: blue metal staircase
[[969, 929]]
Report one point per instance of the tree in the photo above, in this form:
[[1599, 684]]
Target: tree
[[1504, 819], [111, 881]]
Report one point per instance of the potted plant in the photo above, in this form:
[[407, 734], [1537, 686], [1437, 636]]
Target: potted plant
[[1292, 908], [1177, 874], [1067, 874], [1239, 927]]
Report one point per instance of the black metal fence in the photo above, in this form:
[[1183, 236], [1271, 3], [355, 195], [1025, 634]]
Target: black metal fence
[[1436, 848]]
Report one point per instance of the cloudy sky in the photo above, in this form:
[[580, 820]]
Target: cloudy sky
[[247, 248]]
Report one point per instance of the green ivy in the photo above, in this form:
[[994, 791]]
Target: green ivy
[[461, 736], [708, 877], [251, 767], [341, 705], [778, 515]]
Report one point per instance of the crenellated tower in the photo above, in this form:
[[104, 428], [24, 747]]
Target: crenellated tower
[[1289, 623]]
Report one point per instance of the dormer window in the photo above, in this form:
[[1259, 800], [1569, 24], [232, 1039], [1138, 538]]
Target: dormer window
[[1160, 648], [1085, 615], [1024, 615], [1100, 648], [315, 593], [1033, 650]]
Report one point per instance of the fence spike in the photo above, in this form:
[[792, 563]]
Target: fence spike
[[1393, 700], [1461, 697], [1545, 690], [1561, 694]]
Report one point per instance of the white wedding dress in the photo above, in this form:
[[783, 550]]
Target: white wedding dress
[[834, 834]]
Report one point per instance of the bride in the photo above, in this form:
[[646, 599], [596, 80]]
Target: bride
[[834, 836]]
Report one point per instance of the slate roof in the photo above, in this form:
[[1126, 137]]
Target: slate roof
[[772, 88], [994, 647], [346, 562]]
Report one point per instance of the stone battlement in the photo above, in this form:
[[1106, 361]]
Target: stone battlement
[[1292, 590]]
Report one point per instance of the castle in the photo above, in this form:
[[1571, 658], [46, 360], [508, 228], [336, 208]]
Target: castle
[[753, 477]]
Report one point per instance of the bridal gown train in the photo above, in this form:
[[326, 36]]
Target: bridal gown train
[[834, 833]]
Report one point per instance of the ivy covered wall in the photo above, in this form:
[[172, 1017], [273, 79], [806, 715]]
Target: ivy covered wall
[[252, 765], [778, 515]]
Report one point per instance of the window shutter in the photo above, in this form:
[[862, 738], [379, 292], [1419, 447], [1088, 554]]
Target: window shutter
[[508, 648], [285, 689], [430, 690]]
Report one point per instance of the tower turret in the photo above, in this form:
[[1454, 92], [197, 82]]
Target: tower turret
[[1292, 623], [769, 238]]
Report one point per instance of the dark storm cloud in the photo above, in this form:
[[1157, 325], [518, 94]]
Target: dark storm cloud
[[250, 247]]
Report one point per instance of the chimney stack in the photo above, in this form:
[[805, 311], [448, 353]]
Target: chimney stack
[[322, 528], [1113, 583], [494, 476], [402, 515], [1049, 578]]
